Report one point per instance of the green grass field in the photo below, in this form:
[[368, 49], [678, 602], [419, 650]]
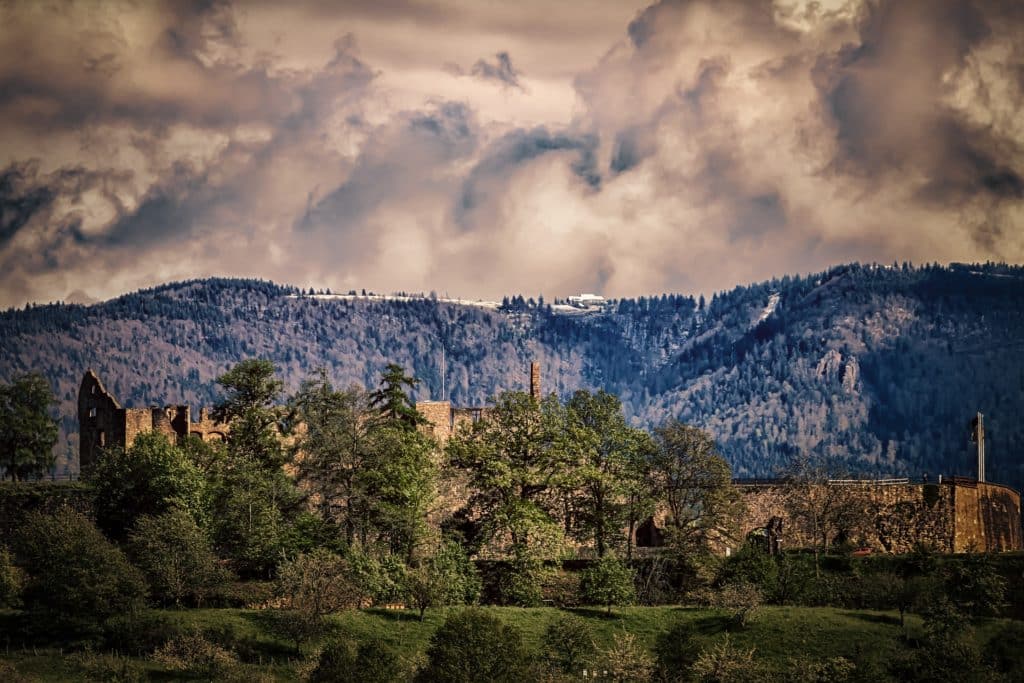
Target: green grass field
[[777, 634]]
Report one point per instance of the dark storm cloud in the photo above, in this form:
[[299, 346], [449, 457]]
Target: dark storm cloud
[[501, 159], [21, 198], [402, 158], [501, 71], [695, 144]]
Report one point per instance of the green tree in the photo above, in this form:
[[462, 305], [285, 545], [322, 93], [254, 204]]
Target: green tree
[[687, 473], [151, 478], [474, 646], [392, 402], [27, 432], [608, 458], [608, 582], [312, 585], [515, 463], [253, 502], [368, 662], [335, 449], [75, 578], [567, 644], [249, 407], [399, 484], [446, 578], [974, 584], [176, 558]]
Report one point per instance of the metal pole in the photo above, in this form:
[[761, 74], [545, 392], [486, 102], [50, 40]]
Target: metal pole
[[981, 447]]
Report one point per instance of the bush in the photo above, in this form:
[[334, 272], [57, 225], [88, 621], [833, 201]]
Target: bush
[[311, 586], [107, 667], [176, 557], [974, 584], [753, 565], [447, 578], [1005, 652], [475, 646], [76, 578], [369, 662], [561, 588], [740, 598], [521, 582], [140, 633], [627, 660], [675, 652], [608, 582], [11, 580], [194, 654], [726, 663], [567, 644]]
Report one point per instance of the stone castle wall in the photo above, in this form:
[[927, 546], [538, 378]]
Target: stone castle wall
[[103, 423], [955, 516]]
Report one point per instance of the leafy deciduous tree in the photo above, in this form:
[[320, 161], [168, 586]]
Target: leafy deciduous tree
[[695, 483]]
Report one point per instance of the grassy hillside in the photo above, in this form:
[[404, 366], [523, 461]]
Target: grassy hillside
[[778, 635]]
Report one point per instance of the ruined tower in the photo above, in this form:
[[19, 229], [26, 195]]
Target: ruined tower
[[535, 381]]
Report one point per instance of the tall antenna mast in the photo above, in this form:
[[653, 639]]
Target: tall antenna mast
[[981, 447], [978, 437]]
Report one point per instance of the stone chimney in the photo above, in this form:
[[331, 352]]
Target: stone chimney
[[535, 381]]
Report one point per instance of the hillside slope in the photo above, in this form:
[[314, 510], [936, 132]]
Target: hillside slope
[[878, 368]]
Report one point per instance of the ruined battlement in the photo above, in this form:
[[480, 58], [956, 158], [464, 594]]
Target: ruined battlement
[[953, 516], [104, 423]]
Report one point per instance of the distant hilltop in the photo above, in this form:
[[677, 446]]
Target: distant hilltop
[[878, 368]]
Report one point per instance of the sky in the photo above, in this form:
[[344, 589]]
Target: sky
[[481, 148]]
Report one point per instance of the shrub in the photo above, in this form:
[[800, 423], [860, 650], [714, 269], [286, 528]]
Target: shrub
[[751, 564], [176, 557], [193, 654], [11, 580], [139, 633], [369, 662], [311, 586], [974, 584], [626, 660], [834, 670], [475, 646], [1005, 652], [521, 582], [675, 652], [567, 644], [447, 578], [725, 663], [108, 667], [741, 598], [76, 578], [608, 582]]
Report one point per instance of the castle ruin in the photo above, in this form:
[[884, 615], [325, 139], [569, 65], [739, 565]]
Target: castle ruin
[[103, 423]]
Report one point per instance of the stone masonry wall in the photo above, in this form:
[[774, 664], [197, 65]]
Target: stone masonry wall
[[951, 517]]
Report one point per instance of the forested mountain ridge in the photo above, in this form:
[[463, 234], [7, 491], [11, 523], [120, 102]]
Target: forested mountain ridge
[[879, 368]]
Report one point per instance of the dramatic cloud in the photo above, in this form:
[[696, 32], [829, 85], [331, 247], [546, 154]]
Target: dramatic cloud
[[688, 145]]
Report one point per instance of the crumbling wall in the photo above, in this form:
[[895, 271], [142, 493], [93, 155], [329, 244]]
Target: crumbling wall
[[100, 419], [439, 418], [207, 428], [987, 517], [954, 516]]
